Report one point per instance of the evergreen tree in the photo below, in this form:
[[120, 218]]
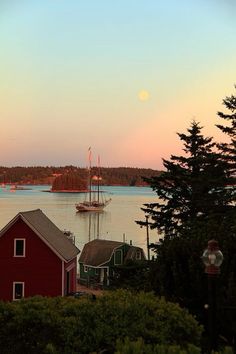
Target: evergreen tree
[[229, 149], [228, 242], [193, 206], [192, 189]]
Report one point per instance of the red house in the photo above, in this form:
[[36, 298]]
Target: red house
[[36, 258]]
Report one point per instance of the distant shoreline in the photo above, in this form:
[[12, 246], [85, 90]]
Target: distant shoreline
[[87, 191], [66, 191]]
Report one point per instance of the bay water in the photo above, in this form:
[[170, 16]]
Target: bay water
[[116, 222]]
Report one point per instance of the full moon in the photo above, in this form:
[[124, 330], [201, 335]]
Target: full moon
[[143, 95]]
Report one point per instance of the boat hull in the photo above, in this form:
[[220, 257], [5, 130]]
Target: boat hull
[[93, 206]]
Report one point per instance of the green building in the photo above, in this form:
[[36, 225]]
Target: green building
[[99, 257]]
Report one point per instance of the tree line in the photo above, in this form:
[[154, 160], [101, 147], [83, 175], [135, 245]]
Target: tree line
[[72, 177]]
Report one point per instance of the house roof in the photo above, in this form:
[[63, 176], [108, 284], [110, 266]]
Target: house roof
[[131, 254], [47, 231], [97, 252]]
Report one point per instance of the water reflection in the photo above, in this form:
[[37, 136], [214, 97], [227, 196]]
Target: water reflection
[[93, 223]]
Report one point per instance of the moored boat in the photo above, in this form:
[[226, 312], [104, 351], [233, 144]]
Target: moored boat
[[92, 205], [96, 201]]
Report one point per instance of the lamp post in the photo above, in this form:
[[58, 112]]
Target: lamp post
[[212, 258]]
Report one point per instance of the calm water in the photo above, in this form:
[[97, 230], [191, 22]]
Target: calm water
[[115, 223]]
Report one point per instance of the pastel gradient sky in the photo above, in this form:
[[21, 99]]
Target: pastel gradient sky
[[71, 72]]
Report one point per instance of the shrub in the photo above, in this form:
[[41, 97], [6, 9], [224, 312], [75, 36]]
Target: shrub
[[67, 325], [139, 347]]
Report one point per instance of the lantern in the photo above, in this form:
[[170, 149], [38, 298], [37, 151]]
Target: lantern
[[212, 258]]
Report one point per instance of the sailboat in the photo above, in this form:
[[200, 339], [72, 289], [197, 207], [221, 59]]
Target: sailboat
[[96, 200]]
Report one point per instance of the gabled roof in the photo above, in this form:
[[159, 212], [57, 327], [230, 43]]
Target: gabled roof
[[97, 252], [131, 254], [47, 231]]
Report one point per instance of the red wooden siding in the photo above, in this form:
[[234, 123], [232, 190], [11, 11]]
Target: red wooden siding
[[40, 269], [70, 267]]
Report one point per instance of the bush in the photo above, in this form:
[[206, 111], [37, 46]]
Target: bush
[[139, 347], [68, 325]]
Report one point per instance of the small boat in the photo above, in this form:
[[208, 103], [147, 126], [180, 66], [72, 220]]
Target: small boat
[[22, 188], [96, 200], [15, 187]]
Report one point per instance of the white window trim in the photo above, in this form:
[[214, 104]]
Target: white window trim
[[138, 255], [23, 290], [19, 239], [85, 269], [121, 262]]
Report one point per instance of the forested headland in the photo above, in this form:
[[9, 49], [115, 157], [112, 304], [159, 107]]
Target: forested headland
[[72, 177]]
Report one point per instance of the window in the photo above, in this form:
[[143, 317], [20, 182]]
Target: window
[[19, 247], [96, 271], [18, 290], [138, 255], [118, 257], [85, 269]]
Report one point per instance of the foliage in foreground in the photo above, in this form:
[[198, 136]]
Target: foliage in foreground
[[66, 325], [131, 275], [139, 347]]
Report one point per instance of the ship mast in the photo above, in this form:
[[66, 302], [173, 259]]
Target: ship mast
[[98, 178], [89, 174]]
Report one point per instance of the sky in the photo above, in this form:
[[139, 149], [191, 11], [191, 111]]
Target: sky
[[122, 77]]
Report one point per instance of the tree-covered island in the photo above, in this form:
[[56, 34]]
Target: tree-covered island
[[74, 178]]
